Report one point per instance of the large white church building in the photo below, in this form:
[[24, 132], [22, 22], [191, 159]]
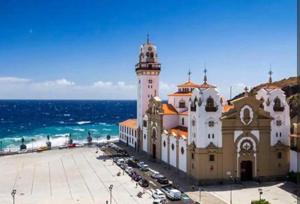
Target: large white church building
[[200, 133]]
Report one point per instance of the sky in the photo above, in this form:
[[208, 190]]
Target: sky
[[85, 49]]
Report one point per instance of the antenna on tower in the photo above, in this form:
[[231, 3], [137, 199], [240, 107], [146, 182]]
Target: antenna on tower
[[230, 92]]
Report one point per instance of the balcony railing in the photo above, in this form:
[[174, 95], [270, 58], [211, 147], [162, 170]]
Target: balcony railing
[[211, 108]]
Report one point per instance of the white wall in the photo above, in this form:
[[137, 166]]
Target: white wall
[[173, 152], [284, 116], [164, 150], [182, 157], [145, 91], [202, 118], [170, 121], [294, 161], [174, 100]]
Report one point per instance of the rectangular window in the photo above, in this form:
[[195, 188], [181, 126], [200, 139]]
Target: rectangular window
[[211, 157], [144, 123]]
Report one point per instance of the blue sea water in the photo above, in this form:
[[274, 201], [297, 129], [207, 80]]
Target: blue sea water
[[35, 119]]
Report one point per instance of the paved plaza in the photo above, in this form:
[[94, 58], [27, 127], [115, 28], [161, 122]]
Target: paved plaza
[[77, 176], [65, 176]]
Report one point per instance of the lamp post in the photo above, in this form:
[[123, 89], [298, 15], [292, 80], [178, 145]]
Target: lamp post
[[13, 194], [231, 178], [200, 190], [110, 193], [260, 191]]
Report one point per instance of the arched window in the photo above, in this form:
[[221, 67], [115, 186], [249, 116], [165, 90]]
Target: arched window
[[211, 123], [277, 105], [181, 104], [151, 54], [247, 116], [182, 121], [154, 133], [193, 122], [172, 146], [210, 105], [182, 150], [164, 143]]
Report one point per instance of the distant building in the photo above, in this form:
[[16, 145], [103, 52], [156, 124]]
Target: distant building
[[199, 133], [295, 148]]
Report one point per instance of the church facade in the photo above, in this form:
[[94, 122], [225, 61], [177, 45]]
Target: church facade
[[200, 133]]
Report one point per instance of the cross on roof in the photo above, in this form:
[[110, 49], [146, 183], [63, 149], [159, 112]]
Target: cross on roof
[[148, 38], [205, 77], [189, 74], [270, 74]]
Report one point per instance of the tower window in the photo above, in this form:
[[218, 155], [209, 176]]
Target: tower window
[[182, 104], [211, 157], [164, 143], [208, 136], [144, 123], [172, 146], [279, 155], [278, 122], [211, 123], [192, 155], [213, 136], [193, 122], [182, 121], [150, 81]]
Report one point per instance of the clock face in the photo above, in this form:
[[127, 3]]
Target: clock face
[[149, 48]]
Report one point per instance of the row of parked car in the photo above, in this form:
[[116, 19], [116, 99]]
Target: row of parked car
[[129, 165]]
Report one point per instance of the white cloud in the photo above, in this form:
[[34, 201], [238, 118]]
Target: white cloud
[[13, 80], [19, 88]]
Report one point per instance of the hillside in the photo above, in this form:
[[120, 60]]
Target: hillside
[[291, 87]]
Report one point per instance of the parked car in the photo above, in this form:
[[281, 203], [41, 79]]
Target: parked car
[[123, 166], [154, 174], [133, 163], [144, 183], [157, 201], [120, 161], [128, 170], [172, 193], [135, 176], [158, 194], [144, 167], [140, 164], [158, 176], [163, 180]]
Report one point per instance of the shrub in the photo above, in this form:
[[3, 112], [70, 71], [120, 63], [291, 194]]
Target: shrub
[[262, 201]]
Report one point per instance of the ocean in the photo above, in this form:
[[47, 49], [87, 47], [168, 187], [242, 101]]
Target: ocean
[[35, 119]]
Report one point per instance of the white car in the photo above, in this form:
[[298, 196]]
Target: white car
[[120, 161], [157, 201], [140, 164], [154, 174], [129, 170], [158, 194]]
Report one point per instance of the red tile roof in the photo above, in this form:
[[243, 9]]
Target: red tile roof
[[168, 109], [179, 131], [131, 123]]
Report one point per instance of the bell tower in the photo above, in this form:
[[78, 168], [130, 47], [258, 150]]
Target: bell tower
[[147, 71]]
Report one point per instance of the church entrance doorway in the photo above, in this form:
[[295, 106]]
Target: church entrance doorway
[[154, 151], [246, 170]]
